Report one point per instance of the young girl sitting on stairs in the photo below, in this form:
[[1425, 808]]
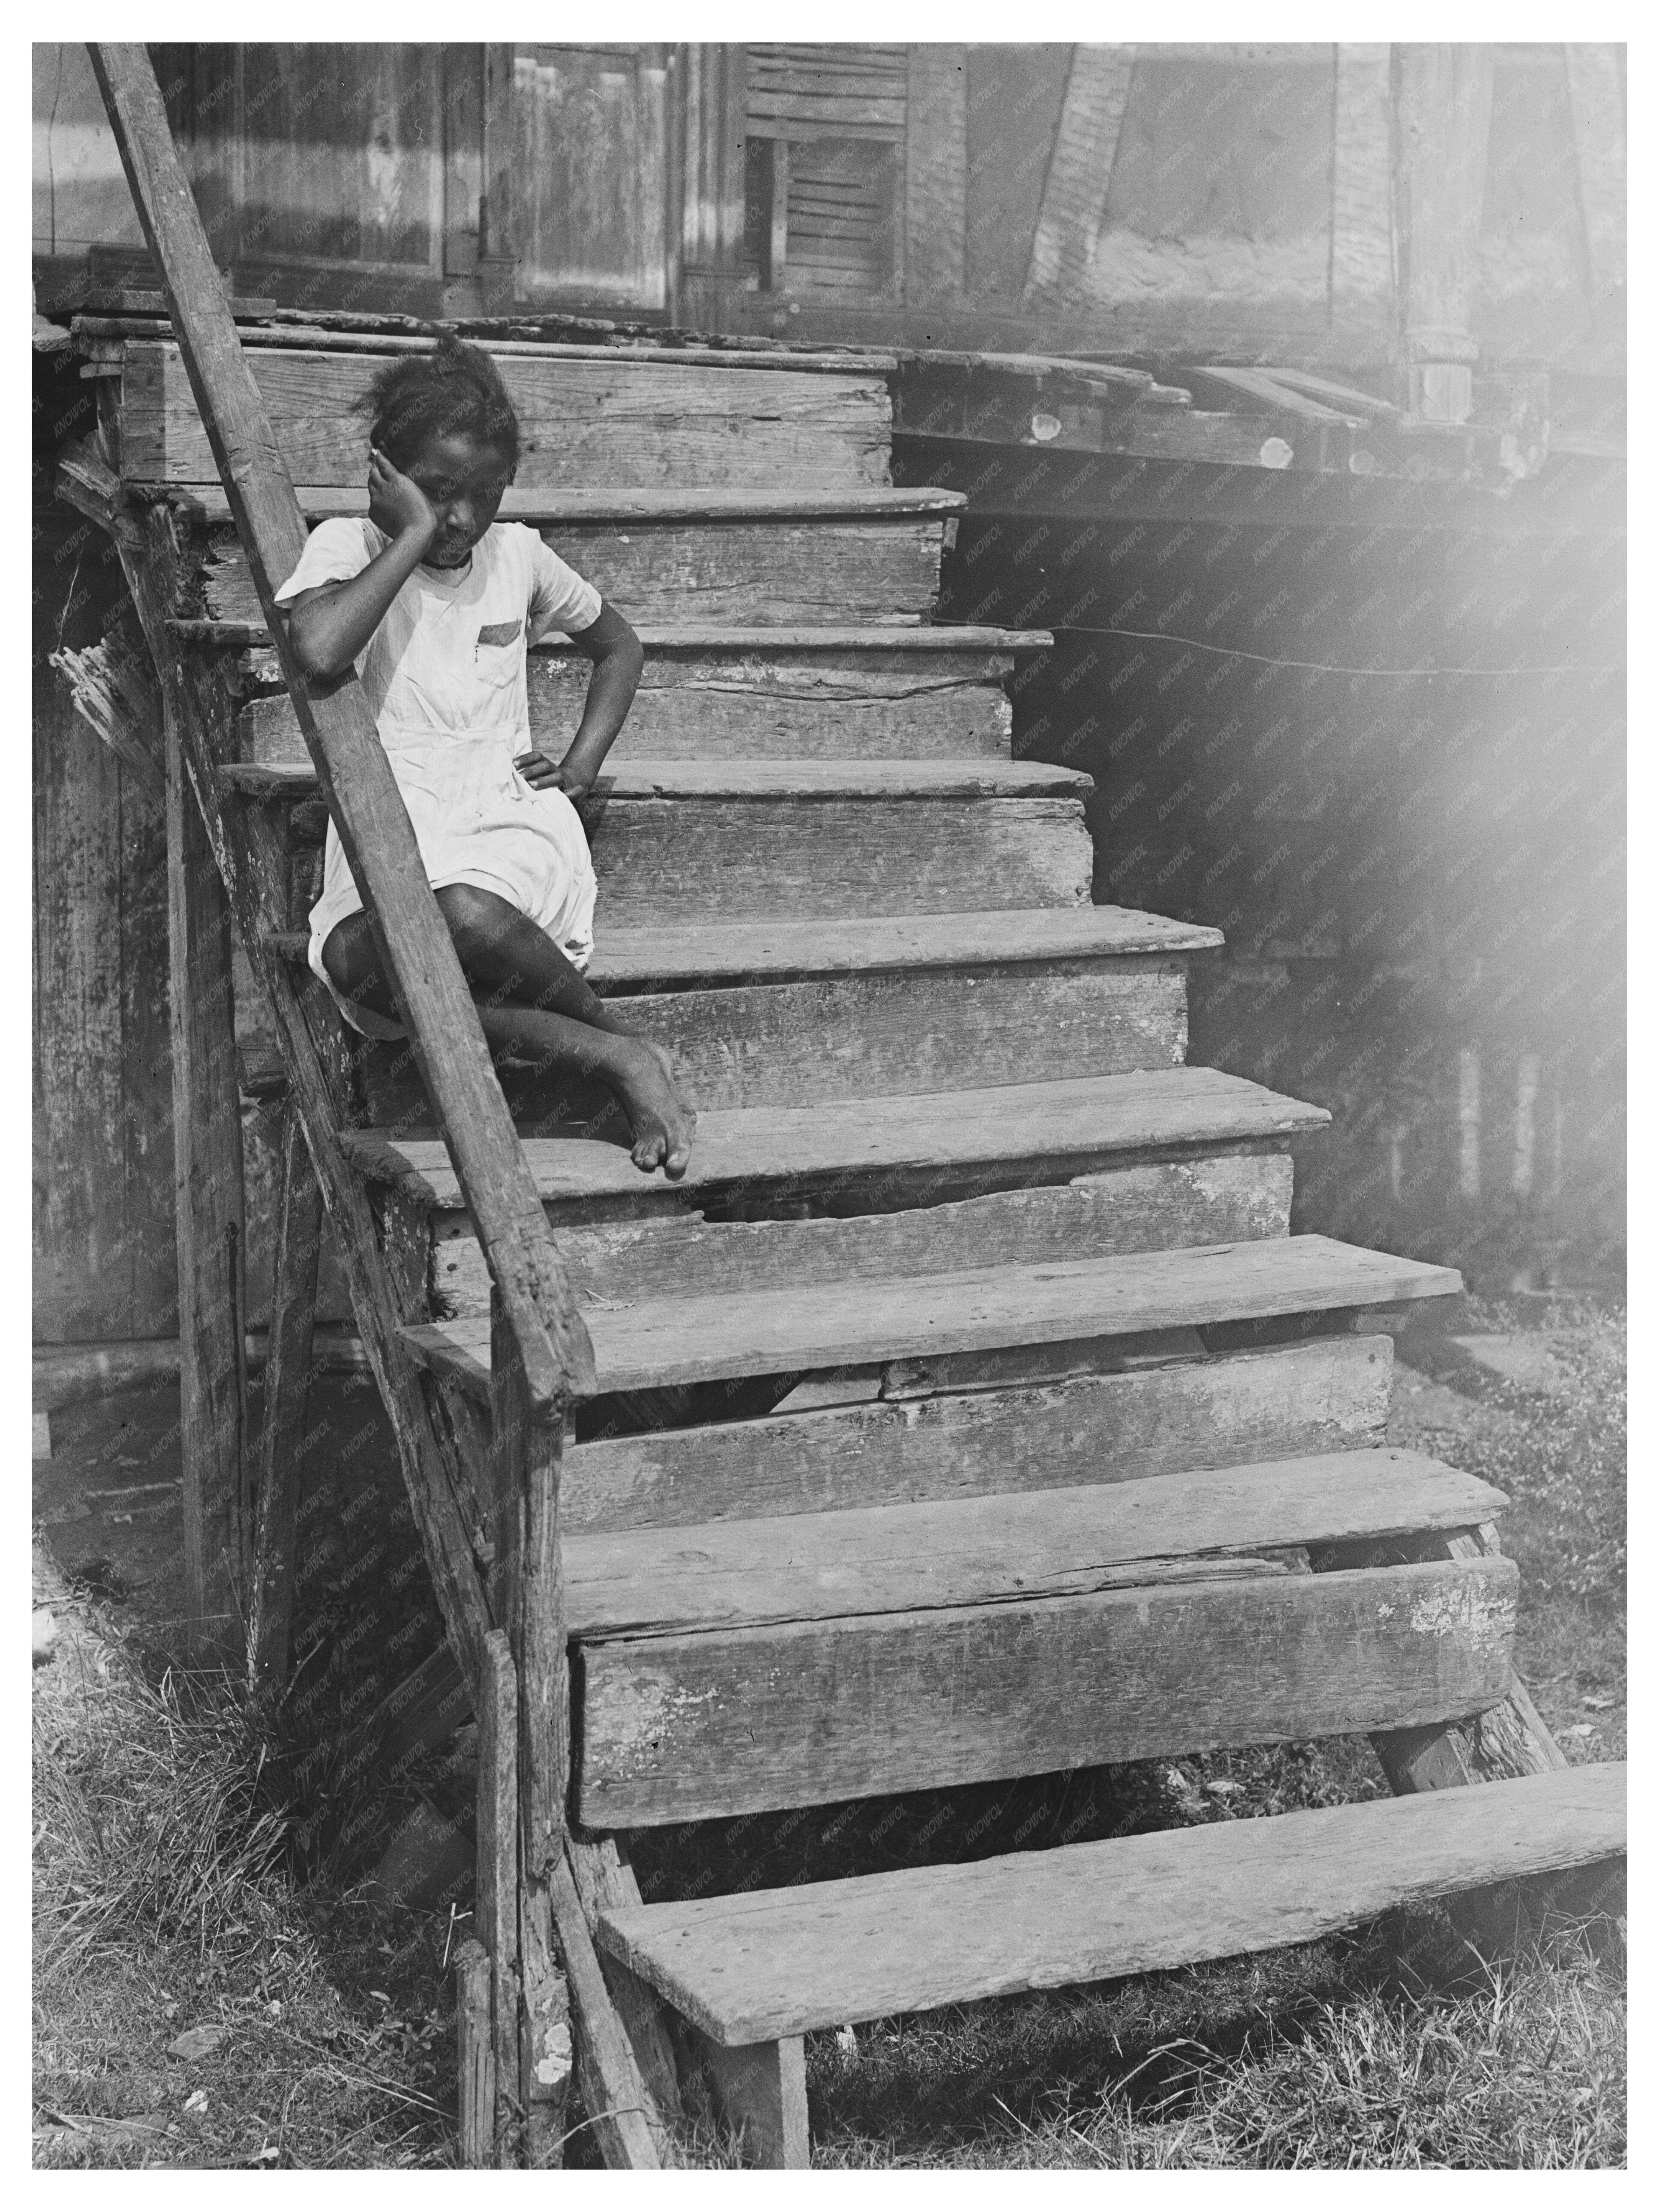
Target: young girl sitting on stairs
[[435, 602]]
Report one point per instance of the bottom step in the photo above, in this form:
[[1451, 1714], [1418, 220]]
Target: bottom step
[[767, 1965]]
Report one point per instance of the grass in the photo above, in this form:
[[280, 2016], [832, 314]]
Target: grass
[[172, 1829], [162, 1904]]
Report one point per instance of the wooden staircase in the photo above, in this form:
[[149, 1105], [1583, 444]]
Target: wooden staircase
[[1000, 1424]]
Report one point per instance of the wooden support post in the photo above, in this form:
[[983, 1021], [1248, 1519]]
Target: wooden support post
[[777, 234], [1443, 110], [1596, 91], [526, 1597], [761, 2089], [497, 1910], [288, 1381], [207, 1142], [1079, 170], [713, 84], [477, 2103], [936, 174]]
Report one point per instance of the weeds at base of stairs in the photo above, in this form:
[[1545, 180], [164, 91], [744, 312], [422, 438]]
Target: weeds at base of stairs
[[1312, 2059]]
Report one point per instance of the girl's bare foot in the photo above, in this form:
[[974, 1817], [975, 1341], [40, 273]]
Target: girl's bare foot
[[663, 1125]]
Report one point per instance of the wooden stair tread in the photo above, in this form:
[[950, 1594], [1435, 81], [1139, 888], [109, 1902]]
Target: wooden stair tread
[[1028, 1122], [768, 1963], [905, 1558], [702, 956], [987, 776], [685, 1341], [689, 637], [669, 503]]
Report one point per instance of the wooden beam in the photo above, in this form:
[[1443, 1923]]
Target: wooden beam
[[1596, 91], [1073, 203], [210, 1223], [497, 1910], [1444, 111], [1362, 223], [339, 731], [288, 1378], [936, 174]]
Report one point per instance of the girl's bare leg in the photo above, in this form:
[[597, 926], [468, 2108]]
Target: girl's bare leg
[[531, 998]]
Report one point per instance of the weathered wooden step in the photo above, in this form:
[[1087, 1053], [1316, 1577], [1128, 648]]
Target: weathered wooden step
[[908, 1557], [712, 1725], [766, 1964], [1153, 1205], [1153, 1416], [780, 780], [787, 1012], [707, 693], [1044, 1130], [686, 1341], [644, 420], [684, 841], [919, 1186], [865, 554]]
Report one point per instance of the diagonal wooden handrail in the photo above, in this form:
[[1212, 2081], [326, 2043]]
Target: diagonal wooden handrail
[[339, 732]]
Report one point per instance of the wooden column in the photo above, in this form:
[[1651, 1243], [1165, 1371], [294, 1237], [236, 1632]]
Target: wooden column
[[207, 1139], [1080, 169], [1595, 90], [288, 1382], [1444, 111], [1362, 221], [936, 174], [712, 80]]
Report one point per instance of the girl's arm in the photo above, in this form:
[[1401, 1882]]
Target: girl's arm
[[329, 627], [618, 660]]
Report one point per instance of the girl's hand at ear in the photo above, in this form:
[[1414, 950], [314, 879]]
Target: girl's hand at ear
[[396, 506]]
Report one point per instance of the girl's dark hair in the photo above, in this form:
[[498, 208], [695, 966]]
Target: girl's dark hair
[[423, 396]]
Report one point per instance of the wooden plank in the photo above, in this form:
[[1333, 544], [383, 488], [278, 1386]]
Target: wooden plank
[[707, 1727], [894, 1559], [776, 1962], [1361, 217], [850, 1037], [779, 949], [760, 2089], [831, 1325], [477, 2101], [617, 2102], [748, 781], [1138, 1209], [787, 572], [1443, 120], [649, 421], [604, 1881], [574, 507], [755, 705], [496, 1918], [823, 637], [1597, 92], [210, 1225], [288, 1378], [663, 861], [1328, 1394], [374, 826], [1073, 200], [1037, 1126]]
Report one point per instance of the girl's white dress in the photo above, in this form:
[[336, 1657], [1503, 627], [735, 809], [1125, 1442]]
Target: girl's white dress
[[445, 675]]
